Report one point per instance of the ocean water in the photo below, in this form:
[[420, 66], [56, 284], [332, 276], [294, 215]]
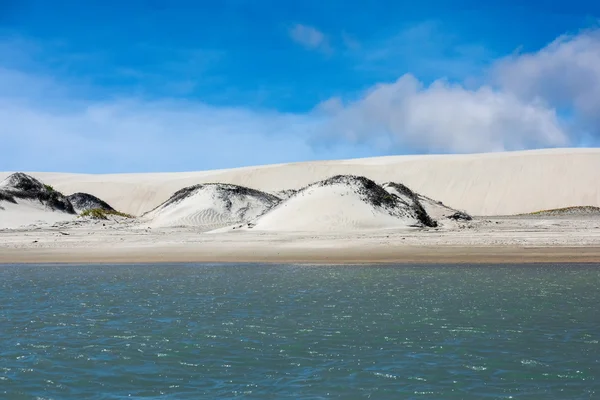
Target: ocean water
[[283, 331]]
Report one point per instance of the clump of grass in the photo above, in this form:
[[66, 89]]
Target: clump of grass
[[567, 210], [100, 213], [50, 188]]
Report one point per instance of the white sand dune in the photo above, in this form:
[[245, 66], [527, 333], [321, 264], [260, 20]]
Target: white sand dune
[[481, 184], [25, 200], [29, 212], [341, 203], [83, 202], [210, 206]]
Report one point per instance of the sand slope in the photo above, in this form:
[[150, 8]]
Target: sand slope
[[429, 211], [210, 206], [83, 202], [340, 203], [29, 212], [481, 184], [25, 200]]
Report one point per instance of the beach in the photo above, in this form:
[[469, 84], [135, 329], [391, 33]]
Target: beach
[[507, 239]]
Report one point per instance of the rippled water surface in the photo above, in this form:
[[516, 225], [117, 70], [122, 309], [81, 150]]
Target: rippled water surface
[[271, 332]]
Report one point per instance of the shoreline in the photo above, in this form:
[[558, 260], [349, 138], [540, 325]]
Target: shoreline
[[330, 256]]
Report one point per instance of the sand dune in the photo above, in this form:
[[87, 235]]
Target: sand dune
[[29, 212], [431, 212], [25, 200], [20, 186], [481, 184], [83, 202], [340, 203], [311, 217], [211, 206]]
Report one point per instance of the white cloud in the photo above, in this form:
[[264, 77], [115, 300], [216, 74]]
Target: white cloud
[[443, 118], [565, 74], [546, 98], [132, 134], [310, 37]]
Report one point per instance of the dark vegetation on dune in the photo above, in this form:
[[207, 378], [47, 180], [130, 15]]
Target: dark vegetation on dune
[[101, 213], [573, 210], [377, 196], [286, 193], [417, 206], [85, 201], [460, 216], [6, 197], [370, 191], [24, 183], [26, 187], [225, 193], [423, 216], [23, 186]]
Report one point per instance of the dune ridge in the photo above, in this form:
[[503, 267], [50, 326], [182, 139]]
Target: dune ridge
[[20, 186], [25, 200], [339, 203], [343, 202], [506, 183], [210, 206]]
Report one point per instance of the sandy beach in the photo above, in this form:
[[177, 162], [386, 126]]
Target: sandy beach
[[282, 216], [499, 240]]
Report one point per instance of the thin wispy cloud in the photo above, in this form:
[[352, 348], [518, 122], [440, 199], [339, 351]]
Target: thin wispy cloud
[[310, 38], [424, 48], [350, 42], [137, 134]]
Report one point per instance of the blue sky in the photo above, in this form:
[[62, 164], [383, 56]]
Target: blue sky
[[152, 85]]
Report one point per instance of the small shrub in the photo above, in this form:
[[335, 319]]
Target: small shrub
[[460, 216], [100, 213], [49, 188]]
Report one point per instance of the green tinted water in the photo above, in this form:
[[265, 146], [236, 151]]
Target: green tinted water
[[252, 331]]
